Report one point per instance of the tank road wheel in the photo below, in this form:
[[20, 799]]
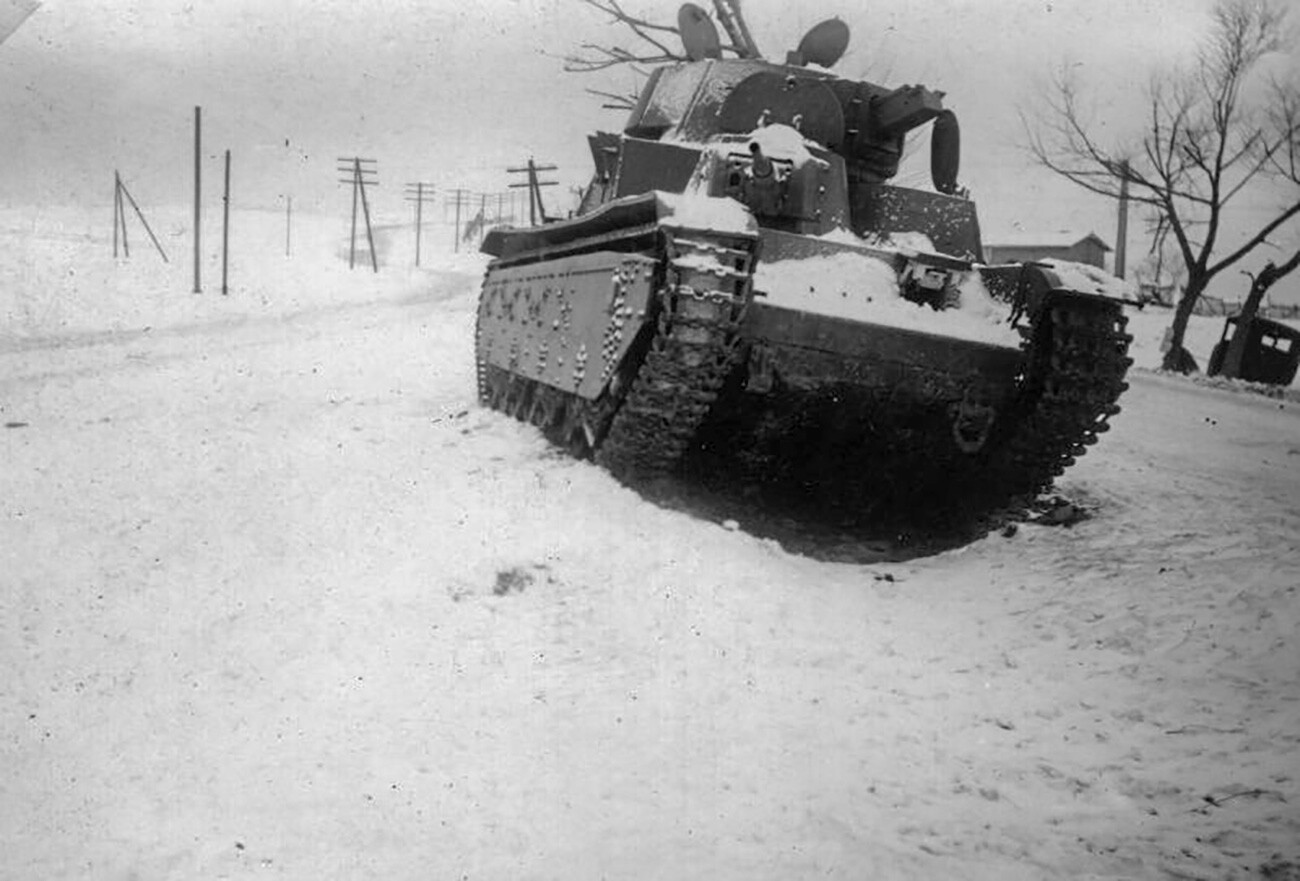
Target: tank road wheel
[[518, 397], [572, 433], [583, 425], [547, 412], [524, 400], [493, 388], [484, 387]]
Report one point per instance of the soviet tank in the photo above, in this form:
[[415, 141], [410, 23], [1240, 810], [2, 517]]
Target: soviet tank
[[743, 285]]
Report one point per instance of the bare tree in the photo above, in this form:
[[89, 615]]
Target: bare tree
[[657, 43], [1162, 270], [1204, 143], [1286, 166]]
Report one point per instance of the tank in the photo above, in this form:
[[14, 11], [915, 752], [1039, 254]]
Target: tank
[[743, 290]]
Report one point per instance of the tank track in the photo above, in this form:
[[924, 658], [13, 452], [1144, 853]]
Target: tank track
[[690, 356], [1078, 357], [861, 456], [644, 423]]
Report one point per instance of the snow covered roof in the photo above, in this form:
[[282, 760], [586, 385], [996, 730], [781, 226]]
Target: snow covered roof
[[1043, 239]]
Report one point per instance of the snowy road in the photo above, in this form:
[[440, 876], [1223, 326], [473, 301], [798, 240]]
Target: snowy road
[[280, 601]]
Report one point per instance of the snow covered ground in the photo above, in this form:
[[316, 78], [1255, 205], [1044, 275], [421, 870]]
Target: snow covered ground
[[279, 600]]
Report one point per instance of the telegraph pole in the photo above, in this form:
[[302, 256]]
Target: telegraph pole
[[535, 208], [362, 173], [480, 222], [1121, 235], [198, 176], [121, 196], [415, 192], [459, 197], [119, 218], [225, 231]]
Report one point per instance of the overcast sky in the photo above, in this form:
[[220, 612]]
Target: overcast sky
[[453, 92]]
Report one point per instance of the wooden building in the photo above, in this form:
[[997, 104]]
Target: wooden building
[[1027, 247]]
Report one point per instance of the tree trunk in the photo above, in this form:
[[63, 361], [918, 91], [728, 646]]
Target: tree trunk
[[1177, 358], [1236, 353]]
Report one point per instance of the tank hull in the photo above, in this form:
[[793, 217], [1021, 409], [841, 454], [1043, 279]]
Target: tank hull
[[643, 342]]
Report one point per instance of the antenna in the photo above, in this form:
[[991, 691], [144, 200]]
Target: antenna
[[699, 36], [823, 45]]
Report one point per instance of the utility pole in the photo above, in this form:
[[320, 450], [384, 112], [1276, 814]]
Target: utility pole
[[121, 197], [198, 176], [1121, 235], [480, 223], [362, 173], [415, 192], [119, 217], [535, 208], [225, 231], [459, 197]]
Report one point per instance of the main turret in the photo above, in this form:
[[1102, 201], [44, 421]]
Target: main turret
[[805, 150]]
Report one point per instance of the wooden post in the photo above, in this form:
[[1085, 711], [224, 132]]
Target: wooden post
[[198, 175], [532, 192], [459, 193], [1121, 234], [365, 207], [117, 208], [419, 219], [357, 170], [415, 193], [535, 208], [121, 188], [225, 230], [356, 182], [121, 217]]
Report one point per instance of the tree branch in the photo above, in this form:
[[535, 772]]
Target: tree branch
[[1257, 239]]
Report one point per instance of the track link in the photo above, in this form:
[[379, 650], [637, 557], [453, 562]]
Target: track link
[[1078, 361], [690, 355], [643, 426]]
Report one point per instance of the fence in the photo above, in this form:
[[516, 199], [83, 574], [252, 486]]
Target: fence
[[1213, 306]]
